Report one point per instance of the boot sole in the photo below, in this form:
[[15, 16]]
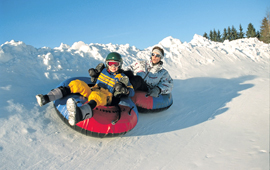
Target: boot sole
[[71, 107], [39, 100]]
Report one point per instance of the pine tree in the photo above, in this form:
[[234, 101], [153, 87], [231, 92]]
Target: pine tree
[[229, 34], [234, 34], [265, 30], [258, 35], [219, 37], [251, 32], [205, 35], [211, 35], [224, 36], [241, 34], [215, 35]]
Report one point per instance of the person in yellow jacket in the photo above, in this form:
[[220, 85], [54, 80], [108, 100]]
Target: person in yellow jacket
[[111, 84]]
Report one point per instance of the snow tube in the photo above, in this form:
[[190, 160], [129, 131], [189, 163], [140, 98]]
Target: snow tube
[[146, 104], [107, 121]]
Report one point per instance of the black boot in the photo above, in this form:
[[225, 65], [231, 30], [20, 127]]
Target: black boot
[[42, 99]]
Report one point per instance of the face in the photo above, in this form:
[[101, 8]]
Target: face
[[155, 59], [113, 67]]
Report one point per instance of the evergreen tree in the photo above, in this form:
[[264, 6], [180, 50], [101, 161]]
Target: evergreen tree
[[241, 34], [224, 36], [251, 32], [219, 37], [234, 34], [205, 35], [258, 35], [265, 31], [215, 35], [211, 35], [229, 34]]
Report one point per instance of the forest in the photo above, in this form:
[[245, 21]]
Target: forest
[[231, 33]]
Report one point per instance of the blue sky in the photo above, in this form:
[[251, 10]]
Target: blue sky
[[140, 23]]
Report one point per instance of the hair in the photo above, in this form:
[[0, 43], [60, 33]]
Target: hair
[[158, 48]]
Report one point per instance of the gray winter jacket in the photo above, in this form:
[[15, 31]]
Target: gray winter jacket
[[153, 75]]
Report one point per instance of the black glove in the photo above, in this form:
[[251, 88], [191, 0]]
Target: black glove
[[94, 73], [120, 88]]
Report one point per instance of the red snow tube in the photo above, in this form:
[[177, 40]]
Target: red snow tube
[[107, 121]]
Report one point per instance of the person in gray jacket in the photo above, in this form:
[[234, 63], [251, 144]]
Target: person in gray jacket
[[150, 76]]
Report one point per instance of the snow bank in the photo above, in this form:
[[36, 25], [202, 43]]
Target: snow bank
[[80, 56], [220, 112]]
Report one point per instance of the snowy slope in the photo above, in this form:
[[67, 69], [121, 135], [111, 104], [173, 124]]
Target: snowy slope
[[219, 119]]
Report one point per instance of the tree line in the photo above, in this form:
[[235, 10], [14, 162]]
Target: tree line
[[231, 33]]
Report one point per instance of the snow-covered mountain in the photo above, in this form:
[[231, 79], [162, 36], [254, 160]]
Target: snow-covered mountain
[[219, 119]]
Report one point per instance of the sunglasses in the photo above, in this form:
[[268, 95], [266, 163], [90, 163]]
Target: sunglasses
[[157, 55], [115, 63]]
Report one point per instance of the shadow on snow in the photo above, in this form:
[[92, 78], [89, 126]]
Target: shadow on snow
[[196, 100]]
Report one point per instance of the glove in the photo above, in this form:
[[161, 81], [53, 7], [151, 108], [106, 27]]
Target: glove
[[94, 73], [154, 92], [120, 88]]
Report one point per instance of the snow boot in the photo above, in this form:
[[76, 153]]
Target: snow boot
[[42, 99], [53, 95], [77, 114]]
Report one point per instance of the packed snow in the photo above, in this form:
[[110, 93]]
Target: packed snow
[[219, 118]]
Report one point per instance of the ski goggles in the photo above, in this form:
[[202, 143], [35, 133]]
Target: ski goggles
[[111, 63], [157, 55]]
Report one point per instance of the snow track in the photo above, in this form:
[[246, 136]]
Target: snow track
[[219, 118]]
